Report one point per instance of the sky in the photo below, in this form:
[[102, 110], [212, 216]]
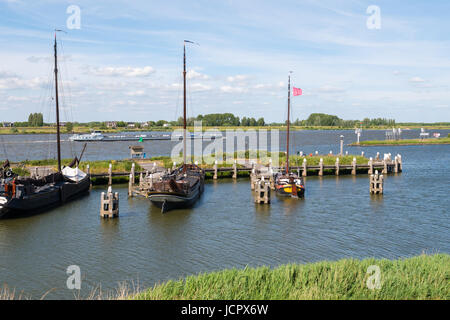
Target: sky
[[124, 62]]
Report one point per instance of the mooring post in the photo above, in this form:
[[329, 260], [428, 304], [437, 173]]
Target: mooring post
[[150, 178], [132, 171], [88, 170], [301, 153], [337, 166], [235, 169], [321, 167], [342, 145], [400, 163], [395, 164], [354, 166], [215, 170], [317, 152], [141, 180], [346, 153], [130, 186], [376, 183], [378, 156], [370, 166], [262, 191], [154, 167], [110, 174], [331, 152], [109, 204], [36, 172], [384, 166], [174, 166], [362, 153], [305, 167]]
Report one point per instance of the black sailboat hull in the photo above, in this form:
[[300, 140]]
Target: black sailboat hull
[[170, 201], [39, 202]]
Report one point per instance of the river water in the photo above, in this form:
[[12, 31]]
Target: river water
[[338, 218]]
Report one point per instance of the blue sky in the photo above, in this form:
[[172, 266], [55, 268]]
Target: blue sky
[[125, 61]]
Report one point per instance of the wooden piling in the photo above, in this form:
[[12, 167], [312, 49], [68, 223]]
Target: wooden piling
[[337, 166], [262, 191], [130, 186], [354, 166], [370, 163], [321, 167], [376, 183], [109, 204], [215, 170], [235, 169], [305, 168], [110, 174]]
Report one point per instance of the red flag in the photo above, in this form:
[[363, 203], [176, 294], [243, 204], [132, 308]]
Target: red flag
[[297, 91]]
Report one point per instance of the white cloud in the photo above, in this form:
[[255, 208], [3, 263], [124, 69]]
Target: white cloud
[[229, 89], [416, 80], [192, 74], [237, 78], [14, 98], [122, 71], [135, 93]]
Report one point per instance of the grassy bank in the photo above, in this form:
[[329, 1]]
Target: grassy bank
[[421, 277], [403, 142]]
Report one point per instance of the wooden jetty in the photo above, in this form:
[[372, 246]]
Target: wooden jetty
[[385, 166]]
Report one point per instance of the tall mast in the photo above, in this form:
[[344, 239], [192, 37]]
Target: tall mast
[[184, 103], [288, 118], [58, 138]]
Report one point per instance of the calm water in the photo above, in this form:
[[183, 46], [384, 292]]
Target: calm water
[[338, 218]]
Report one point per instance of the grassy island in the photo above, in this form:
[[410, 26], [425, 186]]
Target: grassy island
[[403, 142]]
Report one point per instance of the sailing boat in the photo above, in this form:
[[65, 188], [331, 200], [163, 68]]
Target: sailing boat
[[288, 183], [19, 195], [182, 187]]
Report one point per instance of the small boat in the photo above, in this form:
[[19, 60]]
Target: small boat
[[26, 195], [288, 183], [182, 187]]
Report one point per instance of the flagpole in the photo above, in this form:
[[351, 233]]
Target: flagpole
[[58, 137], [184, 105], [288, 121]]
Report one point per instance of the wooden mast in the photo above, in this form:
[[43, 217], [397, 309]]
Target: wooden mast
[[184, 105], [288, 118], [58, 137]]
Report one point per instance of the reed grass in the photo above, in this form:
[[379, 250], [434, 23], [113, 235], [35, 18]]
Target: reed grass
[[420, 277]]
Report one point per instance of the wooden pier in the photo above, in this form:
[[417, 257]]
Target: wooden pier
[[384, 166]]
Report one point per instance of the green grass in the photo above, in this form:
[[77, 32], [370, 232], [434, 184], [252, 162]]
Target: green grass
[[100, 166], [294, 159], [421, 277], [404, 142]]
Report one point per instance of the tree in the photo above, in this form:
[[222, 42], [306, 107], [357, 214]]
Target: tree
[[69, 126], [35, 120], [260, 122]]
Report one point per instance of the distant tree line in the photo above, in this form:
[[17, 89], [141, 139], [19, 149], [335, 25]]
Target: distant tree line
[[327, 120], [224, 120]]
